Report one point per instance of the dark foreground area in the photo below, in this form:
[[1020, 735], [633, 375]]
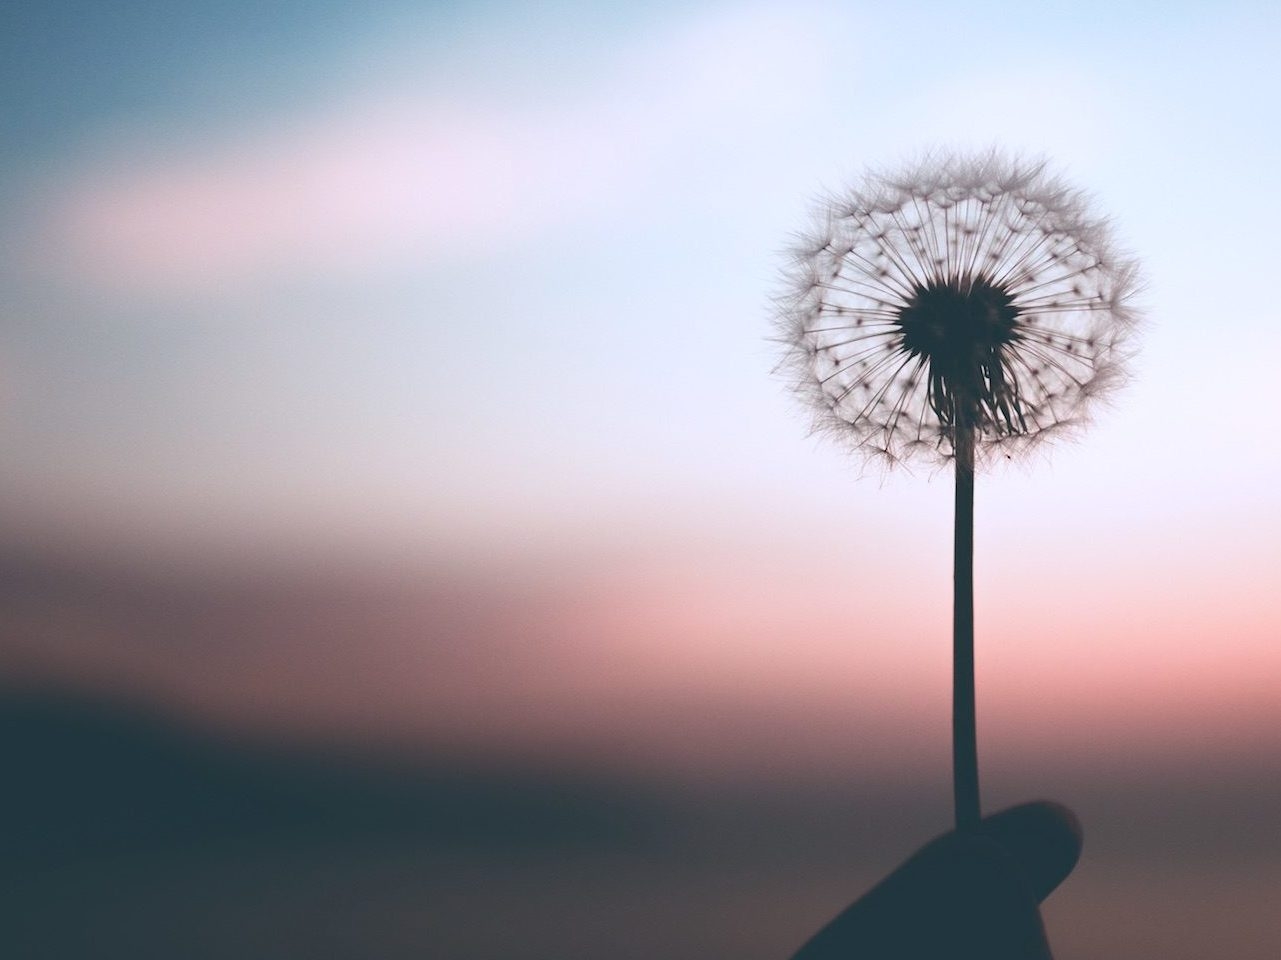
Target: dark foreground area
[[126, 835]]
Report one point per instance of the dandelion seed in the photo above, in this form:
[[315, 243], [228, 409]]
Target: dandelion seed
[[994, 309], [1007, 258]]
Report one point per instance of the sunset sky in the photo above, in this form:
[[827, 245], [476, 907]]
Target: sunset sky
[[405, 364]]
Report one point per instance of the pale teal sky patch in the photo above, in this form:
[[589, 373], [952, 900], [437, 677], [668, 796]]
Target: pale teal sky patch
[[568, 306]]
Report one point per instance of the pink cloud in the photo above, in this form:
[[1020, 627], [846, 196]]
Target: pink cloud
[[347, 188], [694, 652], [415, 173]]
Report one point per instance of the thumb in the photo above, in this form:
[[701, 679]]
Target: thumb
[[1043, 839], [963, 895]]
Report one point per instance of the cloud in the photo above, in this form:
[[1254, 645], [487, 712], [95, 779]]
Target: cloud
[[418, 171]]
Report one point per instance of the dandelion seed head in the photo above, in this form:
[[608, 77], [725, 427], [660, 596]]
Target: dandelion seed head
[[962, 293]]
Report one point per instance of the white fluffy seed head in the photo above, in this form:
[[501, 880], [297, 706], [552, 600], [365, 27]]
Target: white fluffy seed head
[[960, 292]]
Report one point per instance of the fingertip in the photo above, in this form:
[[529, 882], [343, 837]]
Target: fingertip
[[1044, 839]]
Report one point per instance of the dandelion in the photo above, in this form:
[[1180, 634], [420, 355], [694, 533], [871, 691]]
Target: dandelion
[[963, 308]]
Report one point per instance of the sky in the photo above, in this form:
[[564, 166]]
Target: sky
[[405, 366]]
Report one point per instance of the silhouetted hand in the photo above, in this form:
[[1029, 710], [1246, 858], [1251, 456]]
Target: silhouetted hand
[[962, 895]]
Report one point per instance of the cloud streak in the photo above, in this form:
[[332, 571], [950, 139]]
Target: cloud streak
[[412, 170]]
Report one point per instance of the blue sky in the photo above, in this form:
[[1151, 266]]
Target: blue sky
[[445, 272]]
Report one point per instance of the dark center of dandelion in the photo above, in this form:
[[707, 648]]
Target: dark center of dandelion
[[958, 329]]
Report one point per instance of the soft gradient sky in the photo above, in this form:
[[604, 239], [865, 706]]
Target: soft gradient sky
[[406, 363]]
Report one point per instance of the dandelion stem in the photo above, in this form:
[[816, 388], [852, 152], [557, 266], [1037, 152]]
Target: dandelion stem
[[965, 761]]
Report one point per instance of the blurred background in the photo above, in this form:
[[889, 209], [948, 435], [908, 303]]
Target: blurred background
[[405, 550]]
